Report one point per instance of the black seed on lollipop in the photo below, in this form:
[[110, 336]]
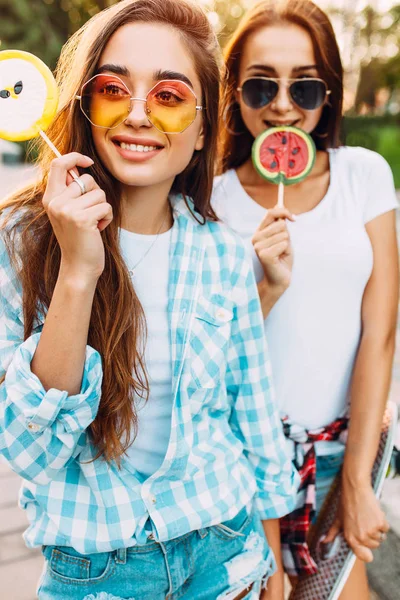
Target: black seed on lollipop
[[291, 163], [5, 94], [18, 87], [274, 164], [271, 150], [295, 150], [284, 140]]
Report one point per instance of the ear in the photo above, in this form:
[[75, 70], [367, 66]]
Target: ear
[[200, 140]]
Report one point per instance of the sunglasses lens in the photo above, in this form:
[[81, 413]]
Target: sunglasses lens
[[105, 101], [171, 106], [257, 92], [308, 94]]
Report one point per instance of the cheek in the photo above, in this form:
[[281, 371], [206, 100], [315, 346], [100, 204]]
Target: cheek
[[311, 119], [182, 147], [99, 141], [252, 119]]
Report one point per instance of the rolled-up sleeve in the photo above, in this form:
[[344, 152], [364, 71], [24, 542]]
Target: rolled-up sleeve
[[40, 431], [254, 418]]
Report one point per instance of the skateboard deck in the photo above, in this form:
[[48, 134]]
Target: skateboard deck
[[333, 569]]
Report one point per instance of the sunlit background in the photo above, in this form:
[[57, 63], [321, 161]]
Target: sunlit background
[[369, 39], [368, 35]]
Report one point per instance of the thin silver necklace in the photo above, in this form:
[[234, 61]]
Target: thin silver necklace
[[133, 269]]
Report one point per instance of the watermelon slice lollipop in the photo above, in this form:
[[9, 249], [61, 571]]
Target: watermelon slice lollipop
[[283, 155]]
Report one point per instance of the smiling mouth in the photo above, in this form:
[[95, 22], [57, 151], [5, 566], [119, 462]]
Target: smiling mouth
[[136, 147], [285, 124]]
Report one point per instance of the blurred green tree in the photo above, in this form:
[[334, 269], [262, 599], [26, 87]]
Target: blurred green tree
[[43, 26]]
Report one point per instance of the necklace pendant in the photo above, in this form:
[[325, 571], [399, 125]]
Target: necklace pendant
[[131, 272]]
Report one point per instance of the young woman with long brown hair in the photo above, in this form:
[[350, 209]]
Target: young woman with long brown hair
[[326, 267], [135, 374]]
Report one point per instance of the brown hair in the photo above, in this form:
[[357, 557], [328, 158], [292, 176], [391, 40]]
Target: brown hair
[[235, 139], [117, 324]]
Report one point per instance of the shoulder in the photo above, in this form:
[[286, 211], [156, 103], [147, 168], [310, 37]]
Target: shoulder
[[361, 161]]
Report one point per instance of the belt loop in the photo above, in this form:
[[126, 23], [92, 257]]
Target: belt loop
[[202, 532], [120, 556]]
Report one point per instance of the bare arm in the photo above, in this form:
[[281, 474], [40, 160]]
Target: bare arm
[[60, 356], [269, 295], [275, 585], [76, 220], [362, 518], [373, 367]]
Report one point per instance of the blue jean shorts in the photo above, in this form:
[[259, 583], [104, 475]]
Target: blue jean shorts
[[328, 467], [215, 563]]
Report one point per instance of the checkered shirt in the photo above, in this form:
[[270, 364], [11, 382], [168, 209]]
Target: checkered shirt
[[295, 526], [226, 444]]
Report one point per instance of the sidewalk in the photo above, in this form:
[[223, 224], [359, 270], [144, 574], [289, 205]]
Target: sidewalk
[[20, 568]]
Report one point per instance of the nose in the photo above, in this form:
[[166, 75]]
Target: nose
[[282, 103], [138, 117]]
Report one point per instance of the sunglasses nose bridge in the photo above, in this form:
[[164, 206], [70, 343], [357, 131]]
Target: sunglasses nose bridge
[[283, 100], [138, 113]]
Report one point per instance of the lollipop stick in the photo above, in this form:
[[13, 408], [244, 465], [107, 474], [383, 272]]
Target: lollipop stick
[[56, 152], [281, 191]]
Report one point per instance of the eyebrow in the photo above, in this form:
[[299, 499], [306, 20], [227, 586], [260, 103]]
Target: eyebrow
[[269, 68], [116, 69], [157, 75]]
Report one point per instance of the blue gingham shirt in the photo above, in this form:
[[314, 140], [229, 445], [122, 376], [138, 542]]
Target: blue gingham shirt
[[226, 444]]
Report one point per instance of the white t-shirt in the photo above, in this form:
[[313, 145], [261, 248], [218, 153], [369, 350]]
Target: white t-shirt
[[150, 281], [313, 331]]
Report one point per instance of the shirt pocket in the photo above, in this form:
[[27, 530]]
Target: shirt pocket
[[209, 339]]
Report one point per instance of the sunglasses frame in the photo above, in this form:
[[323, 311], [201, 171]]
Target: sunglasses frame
[[287, 83], [133, 98]]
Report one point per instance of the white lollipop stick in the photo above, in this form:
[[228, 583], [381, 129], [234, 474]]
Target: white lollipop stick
[[281, 192], [56, 152]]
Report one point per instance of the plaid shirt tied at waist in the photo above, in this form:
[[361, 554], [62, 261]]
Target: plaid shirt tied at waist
[[294, 527]]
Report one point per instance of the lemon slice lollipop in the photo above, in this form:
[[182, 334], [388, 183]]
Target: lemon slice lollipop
[[28, 96]]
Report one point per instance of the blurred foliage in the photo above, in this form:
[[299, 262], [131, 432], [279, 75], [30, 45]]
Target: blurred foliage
[[377, 71], [43, 26], [381, 134]]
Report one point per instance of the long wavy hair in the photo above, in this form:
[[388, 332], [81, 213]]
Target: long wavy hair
[[117, 325], [235, 140]]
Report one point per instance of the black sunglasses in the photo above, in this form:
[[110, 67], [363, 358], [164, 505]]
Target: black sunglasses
[[308, 93]]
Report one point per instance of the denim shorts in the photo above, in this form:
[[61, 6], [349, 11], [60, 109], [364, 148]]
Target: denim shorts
[[215, 563], [328, 467]]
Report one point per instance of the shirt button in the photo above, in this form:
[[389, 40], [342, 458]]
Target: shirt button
[[33, 427], [153, 499], [221, 313]]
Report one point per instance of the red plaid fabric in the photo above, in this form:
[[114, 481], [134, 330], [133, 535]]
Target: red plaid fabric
[[296, 556]]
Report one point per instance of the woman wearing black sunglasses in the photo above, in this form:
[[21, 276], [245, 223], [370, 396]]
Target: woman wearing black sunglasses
[[326, 266]]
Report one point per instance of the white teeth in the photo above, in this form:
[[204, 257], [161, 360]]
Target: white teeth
[[137, 147]]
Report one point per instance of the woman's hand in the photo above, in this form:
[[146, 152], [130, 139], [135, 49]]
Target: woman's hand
[[77, 219], [272, 245], [361, 519]]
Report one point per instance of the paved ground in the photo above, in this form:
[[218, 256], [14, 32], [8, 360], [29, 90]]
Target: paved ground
[[20, 568]]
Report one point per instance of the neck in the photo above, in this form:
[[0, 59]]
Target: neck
[[144, 209]]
